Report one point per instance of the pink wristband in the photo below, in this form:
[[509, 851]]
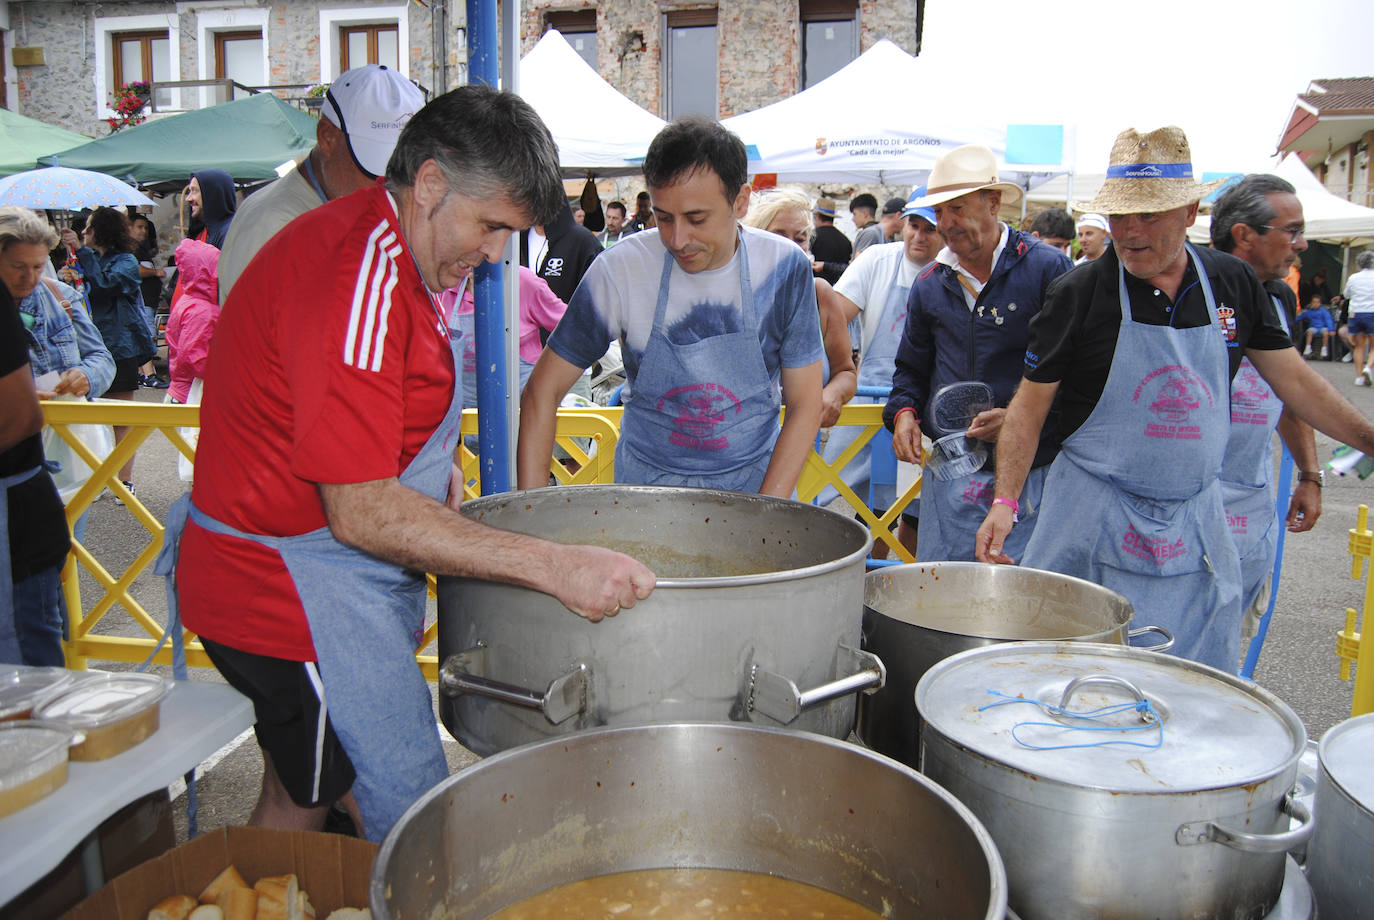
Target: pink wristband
[[1012, 504], [907, 409]]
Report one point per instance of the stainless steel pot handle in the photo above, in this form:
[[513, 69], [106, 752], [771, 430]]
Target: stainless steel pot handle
[[779, 697], [1108, 679], [1207, 832], [1164, 646], [565, 696]]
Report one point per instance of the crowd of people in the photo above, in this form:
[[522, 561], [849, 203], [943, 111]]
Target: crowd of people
[[1125, 433]]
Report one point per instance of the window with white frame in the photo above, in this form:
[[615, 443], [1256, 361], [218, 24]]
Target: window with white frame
[[135, 49], [366, 35], [233, 46]]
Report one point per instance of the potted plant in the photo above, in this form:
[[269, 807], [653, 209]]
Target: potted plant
[[128, 103], [314, 96]]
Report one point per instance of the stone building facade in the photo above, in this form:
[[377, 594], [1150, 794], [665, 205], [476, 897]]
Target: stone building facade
[[65, 73], [298, 44], [760, 42]]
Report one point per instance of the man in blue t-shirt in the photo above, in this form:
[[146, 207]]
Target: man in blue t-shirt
[[711, 317]]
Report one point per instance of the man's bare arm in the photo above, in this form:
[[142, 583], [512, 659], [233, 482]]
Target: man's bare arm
[[549, 382], [1312, 398], [399, 525], [1306, 504], [801, 393], [1016, 444]]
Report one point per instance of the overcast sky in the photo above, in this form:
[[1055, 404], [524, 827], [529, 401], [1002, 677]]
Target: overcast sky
[[1226, 71]]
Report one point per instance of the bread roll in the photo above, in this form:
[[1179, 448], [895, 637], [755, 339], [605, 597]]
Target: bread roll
[[305, 910], [351, 913], [281, 888], [270, 909], [206, 912], [238, 904], [225, 881], [177, 907]]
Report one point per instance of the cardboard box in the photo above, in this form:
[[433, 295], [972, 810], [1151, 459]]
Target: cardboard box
[[333, 870]]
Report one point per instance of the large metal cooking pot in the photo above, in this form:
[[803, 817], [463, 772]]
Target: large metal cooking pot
[[1118, 783], [917, 615], [1340, 858], [756, 799], [756, 617]]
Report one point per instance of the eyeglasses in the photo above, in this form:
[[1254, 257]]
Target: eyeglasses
[[1293, 233]]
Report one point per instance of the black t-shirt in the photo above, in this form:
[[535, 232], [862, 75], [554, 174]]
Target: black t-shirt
[[1073, 339], [38, 526], [1280, 289]]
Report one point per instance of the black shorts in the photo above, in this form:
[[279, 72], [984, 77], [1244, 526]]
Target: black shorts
[[126, 375], [293, 722]]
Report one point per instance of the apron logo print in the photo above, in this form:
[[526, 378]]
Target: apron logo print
[[979, 493], [899, 323], [1158, 551], [1172, 394], [1249, 393], [1228, 323], [1239, 523], [698, 410]]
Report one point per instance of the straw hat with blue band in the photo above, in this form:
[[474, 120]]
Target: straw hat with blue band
[[1147, 173]]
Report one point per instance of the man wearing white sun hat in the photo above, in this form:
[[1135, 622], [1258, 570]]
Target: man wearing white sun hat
[[967, 319]]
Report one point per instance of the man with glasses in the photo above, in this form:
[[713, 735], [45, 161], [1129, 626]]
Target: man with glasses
[[1260, 221]]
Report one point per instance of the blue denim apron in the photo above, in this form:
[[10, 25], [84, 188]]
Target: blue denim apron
[[1133, 501], [1247, 474], [366, 620], [876, 368], [10, 652], [702, 414]]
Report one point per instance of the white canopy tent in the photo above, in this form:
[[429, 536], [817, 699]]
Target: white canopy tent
[[596, 128], [1329, 218], [867, 123]]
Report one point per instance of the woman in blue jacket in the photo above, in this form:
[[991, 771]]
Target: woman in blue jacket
[[113, 286]]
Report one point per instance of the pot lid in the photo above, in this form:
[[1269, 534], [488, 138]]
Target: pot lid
[[1195, 727], [99, 700], [1346, 753], [955, 405]]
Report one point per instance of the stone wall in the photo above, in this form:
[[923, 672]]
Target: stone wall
[[760, 44], [63, 91]]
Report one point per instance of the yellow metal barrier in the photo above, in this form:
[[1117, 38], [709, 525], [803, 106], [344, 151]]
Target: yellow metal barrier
[[1349, 647], [599, 428]]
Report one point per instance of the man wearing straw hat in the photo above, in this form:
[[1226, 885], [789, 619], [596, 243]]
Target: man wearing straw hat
[[967, 320], [1140, 347]]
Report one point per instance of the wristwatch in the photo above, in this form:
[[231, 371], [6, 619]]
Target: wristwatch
[[1319, 477]]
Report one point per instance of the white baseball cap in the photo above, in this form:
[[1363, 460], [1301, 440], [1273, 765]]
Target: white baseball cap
[[1093, 220], [370, 105]]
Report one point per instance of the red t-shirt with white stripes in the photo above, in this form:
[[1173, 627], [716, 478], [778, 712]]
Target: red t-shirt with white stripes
[[329, 364]]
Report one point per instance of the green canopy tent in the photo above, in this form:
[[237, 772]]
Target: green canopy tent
[[24, 140], [248, 138]]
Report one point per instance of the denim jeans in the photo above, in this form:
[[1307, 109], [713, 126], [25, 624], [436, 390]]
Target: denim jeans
[[39, 615]]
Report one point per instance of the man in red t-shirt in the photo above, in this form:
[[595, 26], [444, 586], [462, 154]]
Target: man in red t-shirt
[[327, 445]]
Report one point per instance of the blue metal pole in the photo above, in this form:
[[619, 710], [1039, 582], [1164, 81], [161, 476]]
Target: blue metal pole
[[489, 321], [1283, 493]]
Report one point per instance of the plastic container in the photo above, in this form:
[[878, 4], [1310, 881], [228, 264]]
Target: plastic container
[[23, 688], [114, 711], [955, 456], [33, 762], [954, 406]]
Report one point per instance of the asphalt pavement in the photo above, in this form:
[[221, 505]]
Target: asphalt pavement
[[1298, 663]]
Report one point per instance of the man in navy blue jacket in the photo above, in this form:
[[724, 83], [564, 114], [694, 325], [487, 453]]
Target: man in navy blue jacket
[[967, 320]]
